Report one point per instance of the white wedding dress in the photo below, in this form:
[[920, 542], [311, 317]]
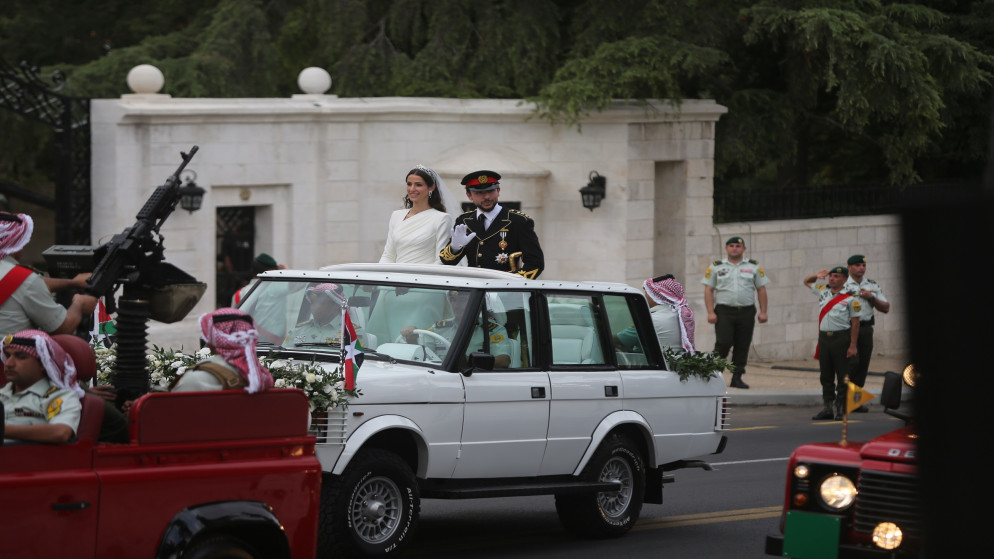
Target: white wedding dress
[[417, 239]]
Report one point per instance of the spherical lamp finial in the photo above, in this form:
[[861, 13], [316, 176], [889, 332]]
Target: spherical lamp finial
[[314, 80], [145, 78]]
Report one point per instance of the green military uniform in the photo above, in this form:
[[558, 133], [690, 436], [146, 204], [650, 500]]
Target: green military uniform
[[31, 305], [310, 332], [497, 339], [833, 342], [864, 343], [39, 404], [735, 288]]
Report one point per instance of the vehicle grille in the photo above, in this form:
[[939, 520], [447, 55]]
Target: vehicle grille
[[887, 497], [328, 426]]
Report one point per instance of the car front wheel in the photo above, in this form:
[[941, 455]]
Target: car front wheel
[[371, 509], [607, 514]]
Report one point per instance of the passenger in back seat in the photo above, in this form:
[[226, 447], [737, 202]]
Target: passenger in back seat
[[42, 398], [231, 335]]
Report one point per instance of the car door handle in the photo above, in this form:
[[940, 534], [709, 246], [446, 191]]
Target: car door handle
[[538, 392], [78, 505], [611, 391]]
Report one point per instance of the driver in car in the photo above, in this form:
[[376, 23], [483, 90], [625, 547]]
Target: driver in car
[[500, 347], [325, 324]]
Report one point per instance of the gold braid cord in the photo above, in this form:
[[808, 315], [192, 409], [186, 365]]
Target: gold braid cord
[[448, 255], [528, 274]]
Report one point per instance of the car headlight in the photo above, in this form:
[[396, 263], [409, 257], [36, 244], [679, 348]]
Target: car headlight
[[837, 492]]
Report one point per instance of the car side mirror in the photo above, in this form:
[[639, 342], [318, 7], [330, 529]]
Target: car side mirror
[[479, 360]]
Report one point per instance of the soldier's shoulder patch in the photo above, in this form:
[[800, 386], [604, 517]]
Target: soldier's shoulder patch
[[856, 305], [54, 408], [497, 338]]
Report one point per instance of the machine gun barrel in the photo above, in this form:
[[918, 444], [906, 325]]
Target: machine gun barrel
[[128, 247]]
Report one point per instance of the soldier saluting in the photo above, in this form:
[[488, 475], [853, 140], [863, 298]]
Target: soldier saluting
[[492, 236]]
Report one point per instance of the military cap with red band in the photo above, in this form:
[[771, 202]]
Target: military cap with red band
[[481, 181]]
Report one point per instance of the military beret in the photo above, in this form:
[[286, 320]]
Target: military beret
[[840, 270], [856, 259], [481, 181], [738, 240], [266, 260]]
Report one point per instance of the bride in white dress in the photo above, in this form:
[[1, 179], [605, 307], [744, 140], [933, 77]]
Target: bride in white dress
[[421, 230]]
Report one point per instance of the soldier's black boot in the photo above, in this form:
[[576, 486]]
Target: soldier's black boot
[[839, 410], [737, 381], [825, 413]]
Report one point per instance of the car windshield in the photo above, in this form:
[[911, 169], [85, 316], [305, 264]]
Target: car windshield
[[395, 322]]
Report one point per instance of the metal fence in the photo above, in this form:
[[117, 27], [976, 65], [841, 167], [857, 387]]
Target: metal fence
[[829, 200]]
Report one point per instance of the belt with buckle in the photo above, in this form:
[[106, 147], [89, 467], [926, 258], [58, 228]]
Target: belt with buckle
[[835, 332]]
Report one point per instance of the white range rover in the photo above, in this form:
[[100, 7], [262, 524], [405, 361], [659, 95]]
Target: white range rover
[[477, 383]]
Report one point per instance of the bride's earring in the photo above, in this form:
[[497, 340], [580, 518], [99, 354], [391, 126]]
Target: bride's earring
[[430, 192]]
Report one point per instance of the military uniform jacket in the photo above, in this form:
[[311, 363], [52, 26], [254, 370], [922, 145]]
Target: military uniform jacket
[[854, 287], [510, 232], [735, 284], [838, 316], [41, 403]]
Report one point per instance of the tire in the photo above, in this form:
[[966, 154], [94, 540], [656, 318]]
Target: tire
[[371, 509], [220, 547], [607, 514]]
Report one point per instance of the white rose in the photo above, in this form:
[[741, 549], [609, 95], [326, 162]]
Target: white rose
[[327, 389], [176, 364], [204, 352], [310, 378]]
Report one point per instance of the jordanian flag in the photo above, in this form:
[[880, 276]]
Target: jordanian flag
[[103, 325], [351, 350]]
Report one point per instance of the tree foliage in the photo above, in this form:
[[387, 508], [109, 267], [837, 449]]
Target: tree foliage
[[817, 90]]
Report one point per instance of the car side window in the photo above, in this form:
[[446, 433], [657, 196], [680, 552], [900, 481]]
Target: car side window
[[629, 344], [575, 332]]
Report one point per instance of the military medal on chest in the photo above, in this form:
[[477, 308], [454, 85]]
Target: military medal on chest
[[503, 241]]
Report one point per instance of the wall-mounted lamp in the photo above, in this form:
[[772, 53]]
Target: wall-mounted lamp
[[191, 196], [594, 192]]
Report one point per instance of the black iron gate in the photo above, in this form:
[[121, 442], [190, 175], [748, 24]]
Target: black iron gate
[[25, 93]]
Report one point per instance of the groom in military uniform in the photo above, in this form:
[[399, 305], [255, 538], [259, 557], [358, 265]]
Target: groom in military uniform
[[492, 236]]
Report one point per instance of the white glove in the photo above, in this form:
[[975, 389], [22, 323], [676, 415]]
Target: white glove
[[460, 238]]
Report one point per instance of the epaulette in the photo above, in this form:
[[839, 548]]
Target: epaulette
[[51, 389], [519, 212], [868, 280], [492, 326], [716, 263], [443, 323], [304, 323], [751, 261]]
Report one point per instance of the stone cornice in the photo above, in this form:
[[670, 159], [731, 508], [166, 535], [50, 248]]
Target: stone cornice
[[162, 108]]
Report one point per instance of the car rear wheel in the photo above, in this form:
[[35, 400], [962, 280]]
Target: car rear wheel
[[371, 509], [607, 514]]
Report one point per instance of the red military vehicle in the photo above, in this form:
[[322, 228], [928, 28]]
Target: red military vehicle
[[203, 474], [858, 499]]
